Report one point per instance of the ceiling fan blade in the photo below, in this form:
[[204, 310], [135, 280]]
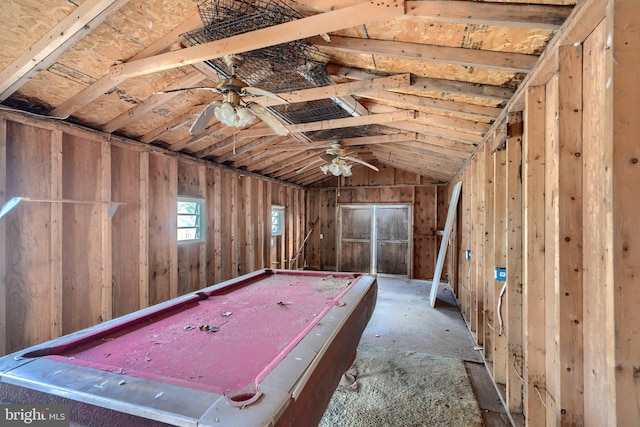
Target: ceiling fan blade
[[263, 114], [202, 121], [308, 166], [256, 91], [210, 89], [327, 157], [362, 162]]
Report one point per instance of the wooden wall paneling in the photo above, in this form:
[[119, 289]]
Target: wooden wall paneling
[[127, 248], [533, 273], [82, 254], [499, 248], [261, 204], [106, 279], [55, 193], [233, 225], [478, 254], [143, 230], [189, 184], [163, 247], [250, 234], [3, 238], [28, 237], [490, 318], [312, 249], [202, 248], [473, 228], [569, 290], [598, 292], [551, 394], [512, 302], [267, 224], [215, 210], [243, 224], [623, 126], [290, 226], [301, 228], [424, 232], [329, 230], [464, 265]]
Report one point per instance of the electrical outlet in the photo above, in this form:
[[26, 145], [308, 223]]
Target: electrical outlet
[[501, 274], [467, 255], [321, 236]]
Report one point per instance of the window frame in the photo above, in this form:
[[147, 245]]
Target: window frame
[[200, 219], [280, 211]]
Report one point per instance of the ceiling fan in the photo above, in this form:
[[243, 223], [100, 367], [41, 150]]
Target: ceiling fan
[[335, 159], [233, 110]]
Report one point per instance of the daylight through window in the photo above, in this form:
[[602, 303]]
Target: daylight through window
[[277, 220], [190, 224]]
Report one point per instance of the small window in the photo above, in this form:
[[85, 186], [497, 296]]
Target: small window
[[190, 220], [277, 220]]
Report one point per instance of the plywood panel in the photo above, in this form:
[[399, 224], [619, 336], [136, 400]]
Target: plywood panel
[[499, 248], [596, 180], [162, 228], [125, 181], [188, 268], [425, 225], [3, 238], [27, 237]]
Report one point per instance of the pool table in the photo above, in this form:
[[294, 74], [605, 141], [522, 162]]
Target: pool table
[[267, 348]]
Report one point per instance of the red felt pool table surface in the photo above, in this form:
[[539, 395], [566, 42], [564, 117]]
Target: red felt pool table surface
[[236, 342]]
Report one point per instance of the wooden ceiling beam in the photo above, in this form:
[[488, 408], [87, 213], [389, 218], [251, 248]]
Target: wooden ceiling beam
[[61, 37], [310, 26], [492, 14], [508, 61], [432, 84], [424, 153], [337, 90], [258, 146], [414, 126], [413, 167], [474, 111], [354, 121], [467, 12], [175, 123]]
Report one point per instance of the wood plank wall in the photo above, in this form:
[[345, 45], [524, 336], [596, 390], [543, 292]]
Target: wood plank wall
[[429, 202], [66, 266], [559, 195]]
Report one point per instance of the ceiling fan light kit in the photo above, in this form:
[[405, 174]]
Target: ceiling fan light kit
[[230, 115], [337, 167]]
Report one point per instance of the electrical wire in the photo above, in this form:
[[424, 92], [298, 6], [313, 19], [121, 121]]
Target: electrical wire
[[502, 292], [537, 389]]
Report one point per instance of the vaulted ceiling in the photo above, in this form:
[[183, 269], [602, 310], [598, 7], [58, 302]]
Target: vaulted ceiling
[[418, 84]]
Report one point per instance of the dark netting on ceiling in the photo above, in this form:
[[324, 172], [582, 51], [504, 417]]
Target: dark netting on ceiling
[[285, 67]]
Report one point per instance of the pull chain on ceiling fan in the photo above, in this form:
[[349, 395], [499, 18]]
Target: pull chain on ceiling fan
[[336, 159]]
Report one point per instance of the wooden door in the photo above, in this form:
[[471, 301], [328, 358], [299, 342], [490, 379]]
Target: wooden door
[[375, 239], [392, 239]]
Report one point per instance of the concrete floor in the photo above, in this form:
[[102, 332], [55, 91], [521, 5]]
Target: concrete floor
[[404, 320]]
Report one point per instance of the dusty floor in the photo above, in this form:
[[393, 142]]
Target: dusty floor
[[405, 330]]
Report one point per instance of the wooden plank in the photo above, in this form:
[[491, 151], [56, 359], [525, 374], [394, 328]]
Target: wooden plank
[[61, 37], [28, 162], [488, 255], [336, 90], [569, 282], [533, 273], [478, 255], [623, 60], [551, 394], [216, 207], [127, 247], [299, 29], [106, 234], [513, 297], [202, 249], [516, 62], [172, 238], [599, 386], [84, 232], [176, 122], [143, 233], [56, 230], [353, 121], [493, 14], [445, 240], [499, 248], [3, 239]]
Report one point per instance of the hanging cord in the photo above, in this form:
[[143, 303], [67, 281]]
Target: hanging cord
[[515, 368], [504, 289], [537, 389]]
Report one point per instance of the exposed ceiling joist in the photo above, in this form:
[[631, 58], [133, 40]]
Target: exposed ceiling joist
[[494, 14], [516, 62], [294, 30]]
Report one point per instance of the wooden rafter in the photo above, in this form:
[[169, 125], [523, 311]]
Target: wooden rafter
[[516, 62], [75, 26]]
